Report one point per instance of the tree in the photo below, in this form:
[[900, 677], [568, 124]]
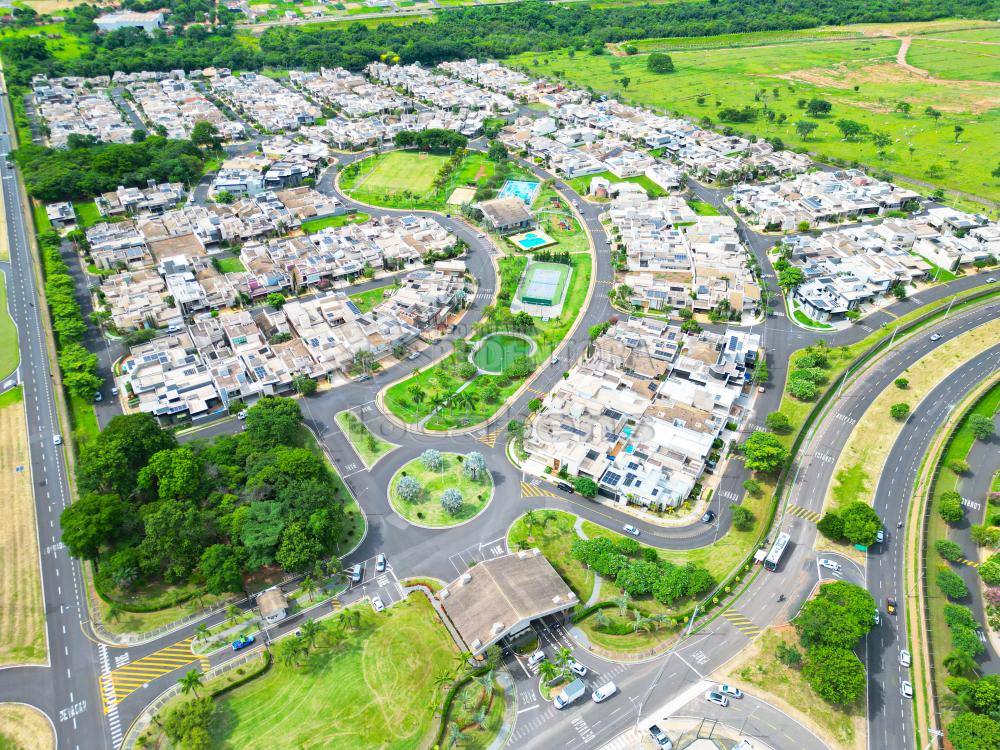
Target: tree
[[805, 128], [743, 518], [432, 459], [932, 113], [764, 452], [752, 486], [831, 526], [547, 671], [90, 523], [474, 465], [899, 411], [959, 662], [305, 385], [959, 466], [950, 507], [790, 278], [981, 426], [451, 501], [818, 107], [188, 723], [173, 474], [190, 682], [111, 462], [205, 134], [222, 569], [272, 421], [408, 489], [850, 129], [989, 571], [958, 132], [861, 523], [951, 583], [497, 152], [836, 674], [276, 300], [778, 422], [971, 731], [658, 62], [585, 486], [902, 383], [299, 549]]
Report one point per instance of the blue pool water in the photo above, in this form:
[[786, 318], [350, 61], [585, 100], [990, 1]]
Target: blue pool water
[[627, 432], [629, 449], [523, 189], [531, 240]]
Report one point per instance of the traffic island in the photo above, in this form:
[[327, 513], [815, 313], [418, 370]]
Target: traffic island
[[439, 490]]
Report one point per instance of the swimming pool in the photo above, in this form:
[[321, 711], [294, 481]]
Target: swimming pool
[[531, 240], [627, 431], [523, 189]]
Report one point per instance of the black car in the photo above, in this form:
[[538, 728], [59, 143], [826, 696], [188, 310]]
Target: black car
[[708, 517], [566, 487]]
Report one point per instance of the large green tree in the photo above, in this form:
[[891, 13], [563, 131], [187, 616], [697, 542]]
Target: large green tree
[[112, 461], [836, 674], [764, 452]]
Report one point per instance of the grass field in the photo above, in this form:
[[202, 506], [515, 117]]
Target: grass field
[[22, 619], [66, 47], [582, 184], [859, 77], [497, 351], [957, 59], [365, 301], [369, 447], [230, 264], [87, 214], [553, 534], [373, 688], [9, 356], [427, 509], [24, 728], [397, 172], [314, 225]]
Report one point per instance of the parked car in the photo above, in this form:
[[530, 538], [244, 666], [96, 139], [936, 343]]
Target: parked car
[[660, 738], [731, 690], [630, 529], [114, 391], [831, 565], [604, 692], [570, 694], [362, 379], [577, 668], [906, 689], [566, 487], [708, 517], [904, 658], [536, 658], [413, 355], [743, 744], [242, 414], [890, 605], [380, 563], [242, 642], [356, 573], [377, 604], [717, 698]]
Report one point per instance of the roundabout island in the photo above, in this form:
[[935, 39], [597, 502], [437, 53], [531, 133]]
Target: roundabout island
[[438, 490]]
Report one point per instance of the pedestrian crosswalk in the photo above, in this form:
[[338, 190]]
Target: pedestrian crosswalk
[[490, 438], [125, 680], [533, 490], [608, 283], [741, 622], [809, 515]]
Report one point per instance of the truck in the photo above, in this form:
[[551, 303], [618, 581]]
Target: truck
[[572, 692], [660, 738]]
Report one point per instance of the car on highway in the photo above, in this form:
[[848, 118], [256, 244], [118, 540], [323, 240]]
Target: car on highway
[[566, 487], [577, 668], [717, 698], [480, 235], [877, 618], [906, 689], [356, 573], [555, 360], [380, 563], [904, 658], [731, 690], [98, 396], [242, 642], [362, 379], [890, 605], [630, 529], [536, 658], [880, 536], [57, 439], [604, 692], [660, 738], [708, 517], [991, 280], [831, 565], [936, 337], [377, 604]]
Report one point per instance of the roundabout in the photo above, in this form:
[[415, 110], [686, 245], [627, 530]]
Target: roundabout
[[441, 490]]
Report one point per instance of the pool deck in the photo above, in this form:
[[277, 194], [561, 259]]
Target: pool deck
[[519, 240]]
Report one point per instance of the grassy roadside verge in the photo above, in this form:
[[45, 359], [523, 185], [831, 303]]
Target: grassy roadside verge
[[24, 728], [368, 447]]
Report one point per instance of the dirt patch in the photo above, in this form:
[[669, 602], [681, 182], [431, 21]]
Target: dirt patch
[[481, 173], [25, 727], [22, 629]]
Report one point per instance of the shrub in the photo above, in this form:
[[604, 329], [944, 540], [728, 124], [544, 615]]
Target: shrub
[[742, 518], [778, 422], [948, 549], [467, 371], [451, 501], [989, 571], [950, 507], [752, 486], [902, 383], [981, 426], [585, 486], [951, 583], [985, 536], [432, 459], [408, 489], [899, 411], [831, 526], [801, 389], [788, 655], [959, 466], [627, 546]]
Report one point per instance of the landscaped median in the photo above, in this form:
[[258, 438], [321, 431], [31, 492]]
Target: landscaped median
[[441, 489], [368, 447]]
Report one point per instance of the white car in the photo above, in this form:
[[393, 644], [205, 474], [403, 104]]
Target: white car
[[536, 658], [98, 396], [906, 689], [904, 658], [630, 529], [114, 391], [242, 414], [936, 337], [831, 565], [480, 235], [877, 618], [377, 604], [604, 692], [991, 280], [57, 439], [743, 745], [731, 690], [555, 360], [577, 668], [717, 698], [413, 355]]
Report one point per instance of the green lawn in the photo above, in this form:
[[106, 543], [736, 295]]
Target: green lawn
[[427, 508], [84, 419], [67, 46], [702, 208], [314, 225], [366, 445], [396, 172], [230, 264], [365, 301], [858, 76], [750, 39], [582, 184], [373, 688], [87, 214], [957, 60], [499, 350], [9, 355]]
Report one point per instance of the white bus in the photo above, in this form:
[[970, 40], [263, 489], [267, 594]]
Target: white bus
[[773, 558]]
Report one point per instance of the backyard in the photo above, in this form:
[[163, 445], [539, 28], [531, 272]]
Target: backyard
[[364, 687], [314, 225], [427, 509], [365, 301], [859, 77]]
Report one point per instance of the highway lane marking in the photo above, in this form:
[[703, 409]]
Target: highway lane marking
[[530, 490], [809, 515]]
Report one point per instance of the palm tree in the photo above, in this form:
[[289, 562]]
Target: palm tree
[[190, 682], [547, 671], [548, 517], [486, 683], [232, 613], [601, 620], [638, 621], [462, 660], [563, 656], [310, 631], [114, 612], [657, 621], [530, 520], [202, 634], [309, 586], [480, 718], [352, 618], [334, 567], [443, 679], [622, 602], [454, 734], [291, 651], [959, 663]]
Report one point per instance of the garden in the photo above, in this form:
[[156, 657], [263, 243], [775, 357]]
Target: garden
[[441, 489]]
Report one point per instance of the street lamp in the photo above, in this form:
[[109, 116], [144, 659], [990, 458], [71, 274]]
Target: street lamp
[[935, 734]]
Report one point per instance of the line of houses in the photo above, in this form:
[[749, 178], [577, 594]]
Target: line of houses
[[80, 106]]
